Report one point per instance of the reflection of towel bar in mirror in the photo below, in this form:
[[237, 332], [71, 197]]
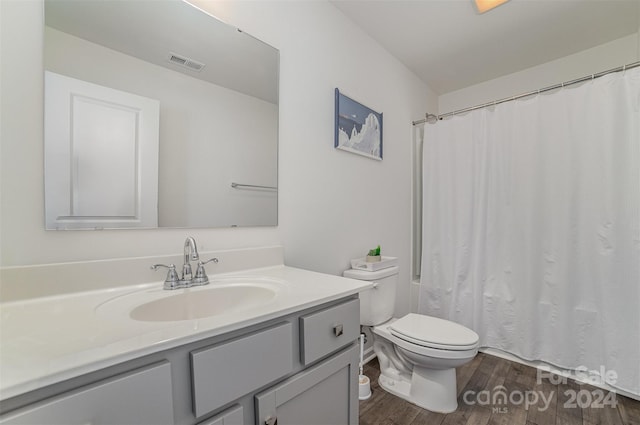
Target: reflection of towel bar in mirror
[[252, 186]]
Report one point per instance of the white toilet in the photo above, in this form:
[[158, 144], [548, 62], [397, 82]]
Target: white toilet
[[418, 354]]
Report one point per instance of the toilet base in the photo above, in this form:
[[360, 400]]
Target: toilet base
[[434, 390], [421, 375]]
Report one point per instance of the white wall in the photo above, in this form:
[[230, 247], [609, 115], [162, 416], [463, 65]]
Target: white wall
[[201, 126], [333, 205], [610, 55]]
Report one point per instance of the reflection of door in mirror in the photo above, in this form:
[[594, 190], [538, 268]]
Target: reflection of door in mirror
[[219, 120], [101, 156]]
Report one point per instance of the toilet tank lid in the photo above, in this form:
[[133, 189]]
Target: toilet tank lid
[[367, 275]]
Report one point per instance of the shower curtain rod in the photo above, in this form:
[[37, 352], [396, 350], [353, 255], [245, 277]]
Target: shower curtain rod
[[431, 118]]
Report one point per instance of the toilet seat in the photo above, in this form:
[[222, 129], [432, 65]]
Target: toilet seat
[[435, 333], [383, 331]]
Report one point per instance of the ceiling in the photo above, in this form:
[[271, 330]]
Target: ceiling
[[450, 46]]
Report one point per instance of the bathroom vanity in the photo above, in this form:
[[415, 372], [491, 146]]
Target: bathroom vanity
[[79, 358]]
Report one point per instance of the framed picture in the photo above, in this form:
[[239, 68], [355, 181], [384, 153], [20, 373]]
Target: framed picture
[[358, 128]]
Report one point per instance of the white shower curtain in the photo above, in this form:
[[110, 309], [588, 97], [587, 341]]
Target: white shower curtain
[[531, 226]]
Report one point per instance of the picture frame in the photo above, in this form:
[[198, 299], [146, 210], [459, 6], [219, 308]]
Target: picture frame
[[358, 129]]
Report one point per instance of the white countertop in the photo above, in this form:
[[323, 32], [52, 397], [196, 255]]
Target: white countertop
[[47, 340]]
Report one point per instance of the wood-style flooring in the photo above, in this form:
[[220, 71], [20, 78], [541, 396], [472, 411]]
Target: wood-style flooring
[[486, 373]]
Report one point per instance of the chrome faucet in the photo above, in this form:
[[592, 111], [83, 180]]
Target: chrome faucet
[[188, 279], [190, 253]]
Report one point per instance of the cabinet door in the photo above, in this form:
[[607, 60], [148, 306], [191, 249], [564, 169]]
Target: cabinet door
[[326, 394], [232, 416], [141, 397]]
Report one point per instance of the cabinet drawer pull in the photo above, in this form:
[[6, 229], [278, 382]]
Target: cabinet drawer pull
[[337, 330], [271, 420]]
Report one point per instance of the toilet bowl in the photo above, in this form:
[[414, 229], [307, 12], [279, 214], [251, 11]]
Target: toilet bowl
[[419, 366], [418, 354]]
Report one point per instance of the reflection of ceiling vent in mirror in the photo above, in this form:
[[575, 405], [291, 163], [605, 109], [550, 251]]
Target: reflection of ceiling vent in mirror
[[185, 62]]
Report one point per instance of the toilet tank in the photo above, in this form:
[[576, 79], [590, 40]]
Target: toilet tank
[[377, 303]]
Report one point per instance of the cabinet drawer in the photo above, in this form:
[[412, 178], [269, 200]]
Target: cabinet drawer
[[326, 331], [226, 372], [140, 397]]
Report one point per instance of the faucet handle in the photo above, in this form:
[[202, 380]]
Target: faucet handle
[[201, 277], [172, 280], [214, 259]]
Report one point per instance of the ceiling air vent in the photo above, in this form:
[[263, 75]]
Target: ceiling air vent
[[185, 62]]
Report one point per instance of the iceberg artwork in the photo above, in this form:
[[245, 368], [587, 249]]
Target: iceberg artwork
[[358, 128]]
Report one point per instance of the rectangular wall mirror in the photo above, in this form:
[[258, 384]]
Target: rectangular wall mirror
[[157, 115]]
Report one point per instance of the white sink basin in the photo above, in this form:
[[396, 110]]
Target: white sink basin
[[208, 302], [221, 296]]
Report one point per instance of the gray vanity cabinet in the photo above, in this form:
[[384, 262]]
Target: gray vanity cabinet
[[325, 394], [297, 369]]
